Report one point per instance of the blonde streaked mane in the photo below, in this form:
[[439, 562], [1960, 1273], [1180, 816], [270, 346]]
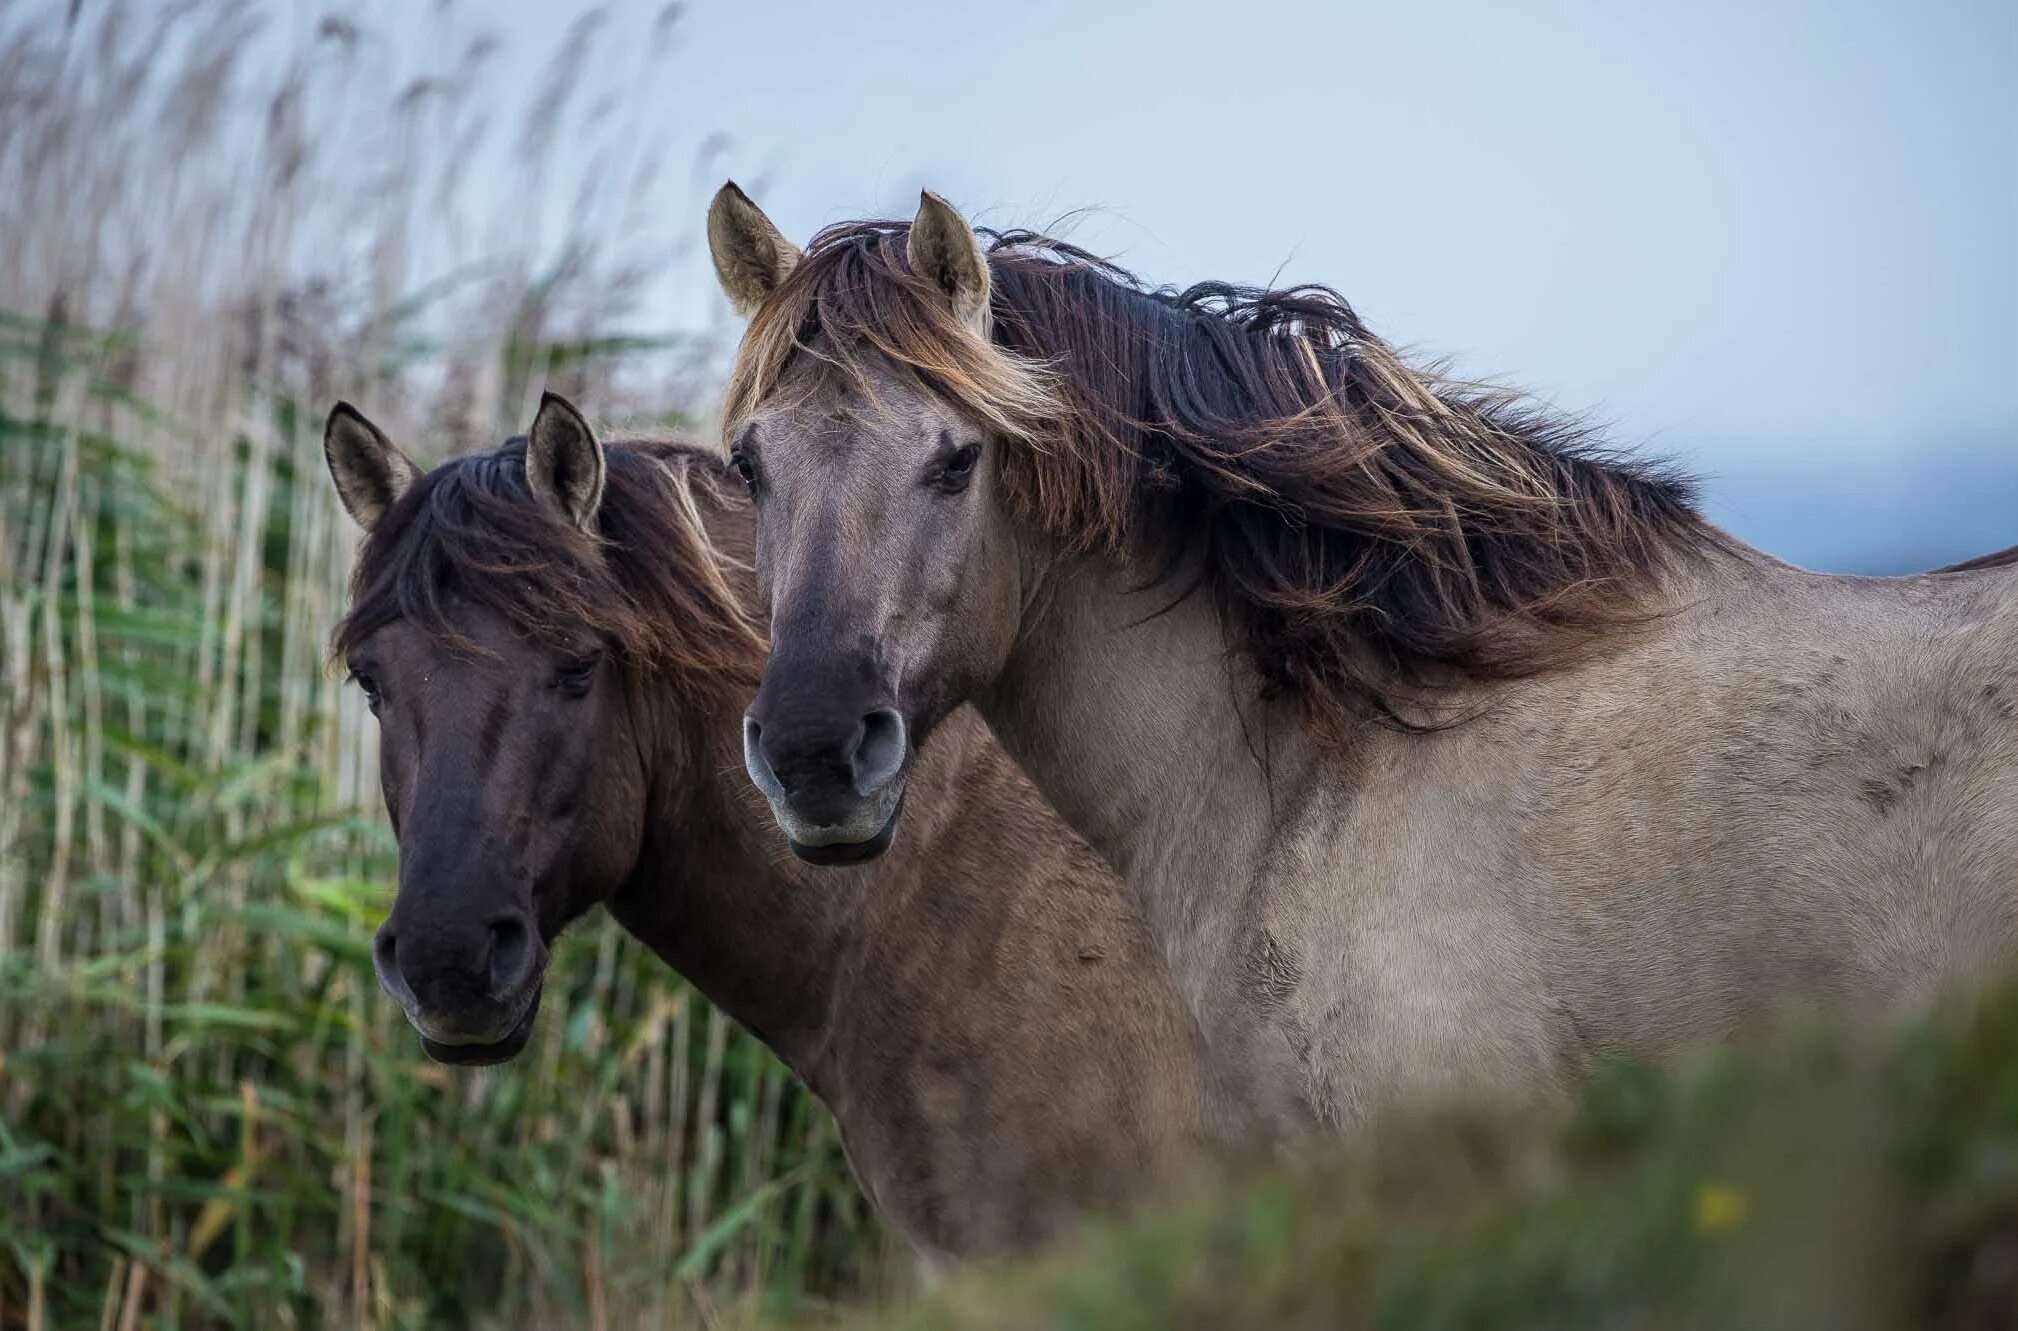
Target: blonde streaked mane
[[1371, 531]]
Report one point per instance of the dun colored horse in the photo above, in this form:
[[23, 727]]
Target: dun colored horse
[[1444, 749], [555, 642]]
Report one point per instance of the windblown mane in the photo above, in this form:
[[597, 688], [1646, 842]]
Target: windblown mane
[[1372, 532], [648, 581]]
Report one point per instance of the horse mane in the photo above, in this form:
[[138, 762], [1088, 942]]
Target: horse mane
[[1372, 532], [649, 580]]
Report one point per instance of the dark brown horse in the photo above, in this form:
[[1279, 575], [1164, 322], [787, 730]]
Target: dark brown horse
[[554, 640]]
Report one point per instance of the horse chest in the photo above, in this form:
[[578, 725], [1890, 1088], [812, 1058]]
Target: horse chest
[[1420, 978], [1368, 964]]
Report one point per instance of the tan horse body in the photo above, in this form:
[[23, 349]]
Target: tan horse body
[[1792, 788], [1444, 750]]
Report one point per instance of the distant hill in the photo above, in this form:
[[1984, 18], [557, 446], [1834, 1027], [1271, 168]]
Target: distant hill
[[1931, 504]]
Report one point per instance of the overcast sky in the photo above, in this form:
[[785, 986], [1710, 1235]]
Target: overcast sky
[[1779, 239]]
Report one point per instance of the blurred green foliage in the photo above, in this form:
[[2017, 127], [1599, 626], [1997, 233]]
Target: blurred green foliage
[[1825, 1179]]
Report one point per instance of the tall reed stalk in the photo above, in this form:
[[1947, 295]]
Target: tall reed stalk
[[208, 1116]]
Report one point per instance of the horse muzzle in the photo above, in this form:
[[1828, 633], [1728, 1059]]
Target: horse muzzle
[[837, 793], [472, 992]]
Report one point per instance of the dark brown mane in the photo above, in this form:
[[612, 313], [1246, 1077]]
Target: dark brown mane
[[648, 582], [1371, 531]]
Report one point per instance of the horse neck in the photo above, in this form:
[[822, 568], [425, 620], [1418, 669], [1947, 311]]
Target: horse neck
[[774, 943], [714, 892], [721, 901], [852, 976], [1145, 728], [1142, 728]]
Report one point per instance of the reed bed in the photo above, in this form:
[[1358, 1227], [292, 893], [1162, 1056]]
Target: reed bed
[[211, 227]]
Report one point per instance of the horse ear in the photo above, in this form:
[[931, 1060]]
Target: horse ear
[[751, 256], [942, 250], [370, 473], [564, 462]]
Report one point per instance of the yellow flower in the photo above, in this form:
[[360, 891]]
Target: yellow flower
[[1720, 1207]]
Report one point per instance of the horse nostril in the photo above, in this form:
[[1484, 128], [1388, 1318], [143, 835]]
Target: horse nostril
[[879, 753], [758, 764], [511, 956], [385, 960]]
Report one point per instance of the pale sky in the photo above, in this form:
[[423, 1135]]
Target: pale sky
[[1777, 239]]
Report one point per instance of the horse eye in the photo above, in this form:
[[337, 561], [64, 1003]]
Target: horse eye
[[574, 679], [744, 469], [953, 474], [369, 686]]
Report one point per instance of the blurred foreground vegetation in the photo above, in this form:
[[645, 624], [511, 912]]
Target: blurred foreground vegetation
[[1821, 1182]]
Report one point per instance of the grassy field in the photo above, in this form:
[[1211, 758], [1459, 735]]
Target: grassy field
[[208, 1114]]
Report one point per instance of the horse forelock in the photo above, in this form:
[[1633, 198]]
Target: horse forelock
[[1372, 530], [648, 580]]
